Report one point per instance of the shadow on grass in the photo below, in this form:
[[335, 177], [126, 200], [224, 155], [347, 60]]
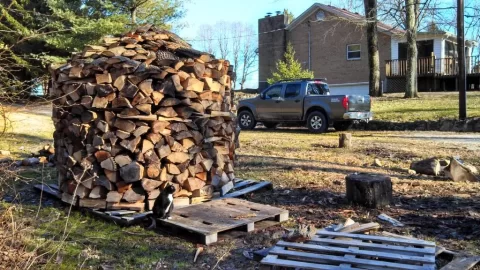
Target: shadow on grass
[[297, 129], [266, 163]]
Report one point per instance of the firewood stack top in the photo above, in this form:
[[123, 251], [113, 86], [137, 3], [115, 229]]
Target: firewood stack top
[[138, 112]]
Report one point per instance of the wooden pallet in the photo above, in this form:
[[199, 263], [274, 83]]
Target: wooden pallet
[[208, 219], [338, 250], [242, 187], [121, 217]]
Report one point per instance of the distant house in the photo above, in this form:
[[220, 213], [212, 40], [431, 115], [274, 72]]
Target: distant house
[[332, 42]]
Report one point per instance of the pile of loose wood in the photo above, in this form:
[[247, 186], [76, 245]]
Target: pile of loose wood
[[138, 112]]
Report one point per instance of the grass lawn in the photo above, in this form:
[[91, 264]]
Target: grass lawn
[[430, 106], [307, 171]]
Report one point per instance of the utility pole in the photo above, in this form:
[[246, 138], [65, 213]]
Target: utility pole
[[461, 77]]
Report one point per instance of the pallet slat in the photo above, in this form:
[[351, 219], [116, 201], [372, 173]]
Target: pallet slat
[[378, 238], [346, 243], [252, 188], [275, 261], [346, 260], [384, 255]]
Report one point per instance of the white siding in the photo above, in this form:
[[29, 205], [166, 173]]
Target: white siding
[[394, 48], [442, 49], [360, 88], [437, 47]]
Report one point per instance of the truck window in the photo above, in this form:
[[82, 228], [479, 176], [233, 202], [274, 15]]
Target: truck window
[[292, 90], [318, 89], [273, 92]]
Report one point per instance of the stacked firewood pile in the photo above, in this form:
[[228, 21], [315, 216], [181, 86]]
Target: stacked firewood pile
[[138, 112]]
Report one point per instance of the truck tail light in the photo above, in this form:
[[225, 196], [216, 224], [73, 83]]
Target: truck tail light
[[345, 102]]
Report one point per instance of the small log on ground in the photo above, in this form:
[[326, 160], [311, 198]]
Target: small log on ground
[[429, 166], [345, 140], [370, 190]]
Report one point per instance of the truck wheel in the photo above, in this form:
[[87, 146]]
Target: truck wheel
[[343, 125], [317, 122], [270, 125], [246, 120]]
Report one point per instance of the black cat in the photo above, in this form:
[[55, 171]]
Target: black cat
[[163, 205]]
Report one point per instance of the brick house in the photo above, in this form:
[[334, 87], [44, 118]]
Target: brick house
[[332, 43]]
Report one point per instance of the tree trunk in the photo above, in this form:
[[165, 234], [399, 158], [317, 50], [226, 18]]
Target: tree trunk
[[373, 55], [133, 13], [411, 78]]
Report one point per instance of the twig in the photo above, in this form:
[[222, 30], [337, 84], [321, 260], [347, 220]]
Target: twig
[[224, 254], [41, 194]]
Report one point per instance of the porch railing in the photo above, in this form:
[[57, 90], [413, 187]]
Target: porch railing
[[432, 66]]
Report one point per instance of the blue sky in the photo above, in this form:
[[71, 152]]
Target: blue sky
[[247, 11], [200, 12]]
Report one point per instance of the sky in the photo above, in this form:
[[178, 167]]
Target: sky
[[247, 11], [199, 12]]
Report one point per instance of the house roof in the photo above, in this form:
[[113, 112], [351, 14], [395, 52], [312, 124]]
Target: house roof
[[344, 14]]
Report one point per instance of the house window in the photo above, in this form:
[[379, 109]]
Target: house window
[[353, 52]]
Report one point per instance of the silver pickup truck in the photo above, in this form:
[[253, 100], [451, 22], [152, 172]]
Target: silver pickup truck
[[304, 102]]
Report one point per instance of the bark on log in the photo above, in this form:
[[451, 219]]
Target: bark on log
[[370, 190]]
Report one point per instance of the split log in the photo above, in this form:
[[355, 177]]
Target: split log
[[193, 184], [132, 172], [133, 196]]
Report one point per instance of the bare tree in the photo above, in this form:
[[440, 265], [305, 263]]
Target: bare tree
[[411, 90], [236, 31], [233, 41], [373, 54], [206, 39], [222, 38], [249, 55]]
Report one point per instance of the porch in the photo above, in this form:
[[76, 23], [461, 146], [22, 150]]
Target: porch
[[434, 74]]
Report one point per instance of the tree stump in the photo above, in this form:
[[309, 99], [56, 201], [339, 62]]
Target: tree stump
[[370, 190], [345, 140]]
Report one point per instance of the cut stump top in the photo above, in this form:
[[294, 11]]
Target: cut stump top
[[368, 177]]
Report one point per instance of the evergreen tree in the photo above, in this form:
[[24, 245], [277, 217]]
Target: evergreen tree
[[289, 68]]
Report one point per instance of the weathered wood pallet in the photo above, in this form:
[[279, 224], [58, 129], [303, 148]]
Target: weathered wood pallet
[[353, 251], [208, 219], [120, 217], [243, 186], [126, 217]]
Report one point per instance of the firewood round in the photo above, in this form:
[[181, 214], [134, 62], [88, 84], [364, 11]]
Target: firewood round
[[370, 190]]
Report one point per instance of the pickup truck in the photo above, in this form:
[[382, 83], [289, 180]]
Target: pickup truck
[[304, 102]]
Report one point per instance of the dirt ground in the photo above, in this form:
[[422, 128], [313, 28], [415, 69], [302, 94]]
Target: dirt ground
[[307, 172]]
